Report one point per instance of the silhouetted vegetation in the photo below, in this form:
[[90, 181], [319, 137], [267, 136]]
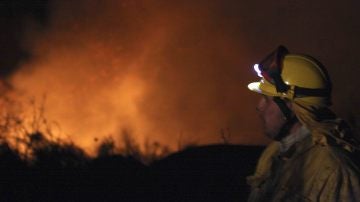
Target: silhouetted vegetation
[[35, 165], [60, 171]]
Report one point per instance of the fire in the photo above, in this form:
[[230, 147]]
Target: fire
[[162, 72], [94, 106]]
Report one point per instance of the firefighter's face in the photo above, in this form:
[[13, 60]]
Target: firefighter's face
[[271, 116]]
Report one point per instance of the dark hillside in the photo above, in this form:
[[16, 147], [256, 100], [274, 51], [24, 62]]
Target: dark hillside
[[62, 172], [207, 173]]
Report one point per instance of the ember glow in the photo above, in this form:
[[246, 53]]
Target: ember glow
[[164, 72], [173, 72]]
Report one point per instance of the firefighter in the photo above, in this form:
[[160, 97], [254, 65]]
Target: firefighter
[[312, 156]]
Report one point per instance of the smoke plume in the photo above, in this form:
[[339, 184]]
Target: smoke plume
[[174, 72], [163, 72]]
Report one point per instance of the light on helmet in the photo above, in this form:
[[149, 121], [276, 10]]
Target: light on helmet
[[257, 69], [255, 86]]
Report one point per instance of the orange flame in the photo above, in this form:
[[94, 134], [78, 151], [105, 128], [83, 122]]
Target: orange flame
[[164, 72]]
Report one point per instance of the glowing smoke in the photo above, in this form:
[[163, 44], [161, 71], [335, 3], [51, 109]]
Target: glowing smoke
[[175, 71], [166, 73]]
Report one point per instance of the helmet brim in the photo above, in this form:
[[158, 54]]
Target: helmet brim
[[255, 87], [263, 87]]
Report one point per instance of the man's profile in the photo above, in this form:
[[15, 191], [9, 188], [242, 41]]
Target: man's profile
[[311, 157]]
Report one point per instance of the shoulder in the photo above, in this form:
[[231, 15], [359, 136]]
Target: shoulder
[[334, 159], [345, 160], [339, 176]]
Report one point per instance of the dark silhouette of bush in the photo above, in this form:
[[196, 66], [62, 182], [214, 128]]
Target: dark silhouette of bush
[[204, 173], [59, 171], [115, 178], [14, 175], [38, 167], [54, 168], [50, 155]]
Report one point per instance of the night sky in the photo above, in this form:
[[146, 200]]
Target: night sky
[[169, 71]]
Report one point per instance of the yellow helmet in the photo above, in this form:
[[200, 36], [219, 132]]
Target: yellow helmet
[[296, 77]]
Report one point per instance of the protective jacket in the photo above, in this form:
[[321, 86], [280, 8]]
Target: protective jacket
[[307, 171], [318, 164]]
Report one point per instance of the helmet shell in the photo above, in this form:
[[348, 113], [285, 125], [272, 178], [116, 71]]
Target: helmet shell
[[302, 71]]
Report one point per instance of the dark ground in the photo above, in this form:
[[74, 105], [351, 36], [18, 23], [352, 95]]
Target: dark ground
[[206, 173]]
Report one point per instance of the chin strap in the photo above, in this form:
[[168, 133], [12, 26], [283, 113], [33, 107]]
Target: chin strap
[[286, 128], [290, 118], [283, 107]]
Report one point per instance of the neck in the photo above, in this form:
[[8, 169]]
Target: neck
[[295, 127], [296, 134], [287, 128]]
